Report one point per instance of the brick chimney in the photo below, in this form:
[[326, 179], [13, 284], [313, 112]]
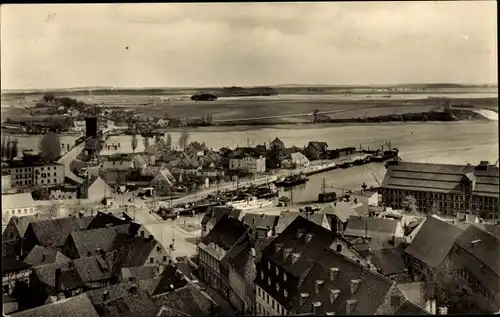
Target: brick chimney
[[278, 247], [315, 307], [295, 257], [354, 285], [58, 282], [318, 285], [334, 294], [105, 295], [303, 298], [350, 305], [333, 273], [308, 237]]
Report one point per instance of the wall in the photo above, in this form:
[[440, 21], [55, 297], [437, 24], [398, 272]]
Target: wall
[[49, 174], [237, 290], [387, 308], [6, 184], [264, 304], [19, 211]]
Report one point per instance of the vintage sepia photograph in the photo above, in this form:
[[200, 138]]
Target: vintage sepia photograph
[[250, 159]]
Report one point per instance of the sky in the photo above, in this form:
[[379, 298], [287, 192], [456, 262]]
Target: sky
[[247, 44]]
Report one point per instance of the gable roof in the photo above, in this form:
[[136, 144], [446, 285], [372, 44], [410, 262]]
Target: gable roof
[[102, 220], [54, 232], [21, 223], [21, 200], [139, 272], [133, 251], [388, 261], [95, 268], [88, 241], [40, 256], [137, 304], [287, 217], [360, 226], [171, 279], [188, 300], [77, 306], [262, 221], [226, 233], [318, 146], [410, 308], [314, 263], [427, 248], [342, 210], [443, 178], [486, 249]]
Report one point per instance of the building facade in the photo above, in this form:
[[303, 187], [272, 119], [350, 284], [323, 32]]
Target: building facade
[[248, 164], [6, 185], [23, 175], [444, 189], [17, 205]]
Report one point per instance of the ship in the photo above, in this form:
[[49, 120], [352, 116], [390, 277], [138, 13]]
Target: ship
[[292, 180], [266, 191], [250, 202]]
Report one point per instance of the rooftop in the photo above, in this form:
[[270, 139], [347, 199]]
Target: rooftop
[[77, 306], [54, 232], [342, 210], [361, 226], [13, 201], [40, 256], [225, 233], [441, 178], [88, 241]]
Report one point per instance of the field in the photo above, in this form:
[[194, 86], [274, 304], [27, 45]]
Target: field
[[296, 106]]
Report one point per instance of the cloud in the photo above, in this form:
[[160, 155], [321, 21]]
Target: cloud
[[247, 43]]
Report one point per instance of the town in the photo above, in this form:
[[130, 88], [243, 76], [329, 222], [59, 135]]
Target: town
[[169, 226]]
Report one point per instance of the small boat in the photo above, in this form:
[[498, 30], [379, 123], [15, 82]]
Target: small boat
[[251, 202], [292, 180]]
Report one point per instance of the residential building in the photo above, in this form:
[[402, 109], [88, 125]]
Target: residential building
[[443, 188], [6, 185], [295, 160], [287, 217], [248, 164], [213, 216], [338, 214], [13, 235], [118, 164], [95, 189], [299, 273], [27, 174], [262, 225], [316, 150], [17, 205], [13, 271], [63, 192], [213, 249], [277, 144], [275, 157], [68, 307]]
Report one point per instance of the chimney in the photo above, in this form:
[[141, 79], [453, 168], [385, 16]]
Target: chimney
[[334, 294], [308, 237], [295, 257], [105, 295], [303, 298], [252, 251], [318, 284], [286, 252], [278, 247], [315, 307], [443, 310], [349, 306], [333, 273], [58, 281], [354, 286]]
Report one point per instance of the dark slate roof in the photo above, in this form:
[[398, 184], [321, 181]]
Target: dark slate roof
[[493, 229], [443, 178], [95, 268], [137, 304], [389, 261], [188, 300], [341, 209], [171, 279], [487, 250], [40, 256], [226, 232], [12, 264], [215, 212], [87, 241], [47, 273], [260, 221], [433, 241], [139, 272], [314, 263], [77, 306], [133, 251], [53, 233], [102, 220], [114, 291], [21, 223], [360, 226], [286, 218], [409, 308], [318, 145]]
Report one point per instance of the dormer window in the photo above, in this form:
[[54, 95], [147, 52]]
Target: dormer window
[[277, 271], [285, 293], [284, 277], [277, 287], [269, 281], [262, 275], [268, 265]]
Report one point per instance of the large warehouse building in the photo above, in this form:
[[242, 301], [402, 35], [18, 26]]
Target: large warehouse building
[[444, 189]]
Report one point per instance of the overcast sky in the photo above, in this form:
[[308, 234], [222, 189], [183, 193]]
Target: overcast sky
[[193, 45]]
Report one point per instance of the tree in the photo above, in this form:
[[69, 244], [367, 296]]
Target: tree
[[184, 139], [49, 97], [50, 147], [168, 142], [133, 142], [145, 140]]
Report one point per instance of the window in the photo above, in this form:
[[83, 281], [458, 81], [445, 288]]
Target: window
[[269, 281], [268, 265], [48, 174], [284, 276], [41, 181], [285, 293], [267, 298], [55, 174], [339, 247], [272, 304], [164, 258], [262, 275], [42, 168], [277, 287], [158, 249], [258, 291], [277, 271], [151, 260], [55, 180], [48, 181]]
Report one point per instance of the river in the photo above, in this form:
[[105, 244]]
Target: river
[[438, 142]]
